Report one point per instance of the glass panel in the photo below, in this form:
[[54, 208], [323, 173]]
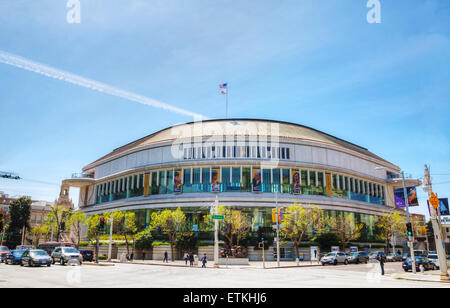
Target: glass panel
[[285, 176], [312, 178], [187, 177], [304, 178], [205, 175], [236, 175], [276, 176], [196, 176]]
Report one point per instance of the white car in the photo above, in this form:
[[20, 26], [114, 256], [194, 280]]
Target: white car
[[64, 255], [334, 258]]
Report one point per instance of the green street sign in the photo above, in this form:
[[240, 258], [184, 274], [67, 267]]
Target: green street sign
[[220, 217], [4, 236]]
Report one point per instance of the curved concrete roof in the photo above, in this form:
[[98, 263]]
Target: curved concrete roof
[[240, 127]]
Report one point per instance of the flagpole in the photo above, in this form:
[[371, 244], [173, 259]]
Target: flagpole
[[226, 113]]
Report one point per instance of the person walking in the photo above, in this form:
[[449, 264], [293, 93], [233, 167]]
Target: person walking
[[204, 260], [166, 257], [381, 260], [186, 257], [191, 259]]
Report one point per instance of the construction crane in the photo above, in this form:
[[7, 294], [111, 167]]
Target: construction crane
[[9, 175]]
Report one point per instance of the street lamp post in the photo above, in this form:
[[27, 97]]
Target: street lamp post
[[410, 237], [216, 233], [278, 230]]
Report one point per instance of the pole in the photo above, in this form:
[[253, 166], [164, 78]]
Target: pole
[[110, 236], [410, 237], [216, 233], [278, 231], [23, 234], [436, 230], [264, 262], [97, 248], [226, 112]]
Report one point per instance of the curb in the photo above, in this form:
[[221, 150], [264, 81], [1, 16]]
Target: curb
[[421, 280], [98, 264]]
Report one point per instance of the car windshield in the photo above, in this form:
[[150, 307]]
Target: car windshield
[[432, 257], [331, 254], [18, 253], [70, 250], [37, 253], [353, 254], [4, 248]]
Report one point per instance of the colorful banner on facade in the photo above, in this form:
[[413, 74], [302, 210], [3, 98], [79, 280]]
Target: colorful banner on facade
[[146, 183], [256, 182], [296, 187], [400, 199], [215, 179], [443, 207], [177, 181], [328, 185]]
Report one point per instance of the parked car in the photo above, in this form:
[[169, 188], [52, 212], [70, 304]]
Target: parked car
[[427, 264], [434, 259], [358, 257], [421, 253], [3, 252], [14, 256], [374, 255], [393, 257], [405, 256], [35, 257], [334, 258], [66, 254], [88, 255]]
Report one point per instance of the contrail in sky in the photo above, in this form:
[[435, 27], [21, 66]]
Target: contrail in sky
[[52, 72]]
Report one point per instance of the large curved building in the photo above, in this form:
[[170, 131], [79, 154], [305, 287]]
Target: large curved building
[[247, 164]]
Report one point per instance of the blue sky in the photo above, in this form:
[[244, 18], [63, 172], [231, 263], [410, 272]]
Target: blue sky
[[318, 63]]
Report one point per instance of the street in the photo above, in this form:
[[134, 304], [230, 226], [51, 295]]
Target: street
[[138, 275]]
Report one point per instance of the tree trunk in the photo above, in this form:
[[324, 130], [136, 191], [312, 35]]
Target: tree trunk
[[126, 242]]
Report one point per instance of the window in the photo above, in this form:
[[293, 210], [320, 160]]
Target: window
[[312, 178], [276, 176], [236, 175], [304, 178], [286, 176]]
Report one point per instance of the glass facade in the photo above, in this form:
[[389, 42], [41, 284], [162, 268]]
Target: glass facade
[[239, 179]]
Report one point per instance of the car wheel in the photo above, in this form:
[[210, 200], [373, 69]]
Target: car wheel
[[21, 263], [61, 261], [49, 264], [335, 262], [405, 269], [30, 263], [346, 262], [53, 261]]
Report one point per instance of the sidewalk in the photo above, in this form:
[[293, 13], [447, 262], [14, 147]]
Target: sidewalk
[[210, 264]]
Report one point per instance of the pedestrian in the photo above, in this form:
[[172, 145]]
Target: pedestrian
[[186, 257], [204, 260], [381, 260], [191, 259], [166, 257]]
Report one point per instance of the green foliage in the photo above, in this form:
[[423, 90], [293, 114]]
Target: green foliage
[[144, 240], [326, 240], [158, 243], [56, 218], [19, 215], [101, 257], [186, 241]]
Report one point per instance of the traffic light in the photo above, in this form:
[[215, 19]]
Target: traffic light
[[101, 224], [261, 233], [409, 229]]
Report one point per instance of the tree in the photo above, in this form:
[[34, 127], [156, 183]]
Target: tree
[[171, 222], [57, 220], [326, 240], [125, 224], [391, 224], [19, 216], [92, 223], [38, 232], [347, 229], [300, 222], [75, 225], [144, 240]]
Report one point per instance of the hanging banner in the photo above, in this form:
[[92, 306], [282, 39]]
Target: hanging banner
[[400, 199], [296, 187], [146, 184], [215, 179], [256, 176], [328, 185], [177, 181], [443, 207], [314, 253]]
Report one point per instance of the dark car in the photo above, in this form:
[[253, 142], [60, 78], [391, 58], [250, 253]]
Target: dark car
[[358, 257], [13, 257], [88, 255], [35, 257], [427, 264], [3, 252]]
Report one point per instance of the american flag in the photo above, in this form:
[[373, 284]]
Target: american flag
[[223, 85], [223, 92]]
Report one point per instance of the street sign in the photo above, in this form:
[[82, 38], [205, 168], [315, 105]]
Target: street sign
[[219, 217], [279, 227], [3, 236], [434, 201]]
